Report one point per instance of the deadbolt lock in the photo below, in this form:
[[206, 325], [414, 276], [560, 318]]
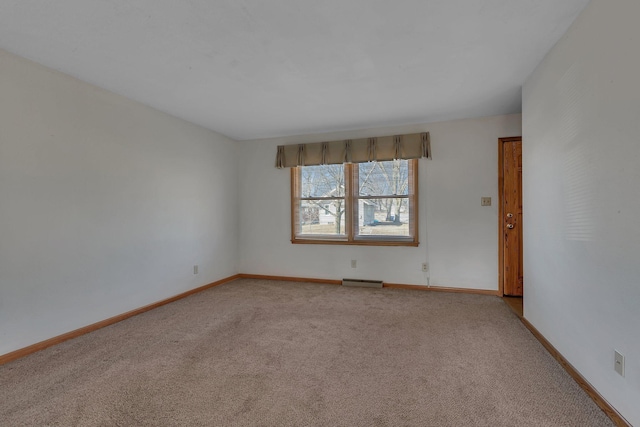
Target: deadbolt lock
[[509, 215], [509, 226]]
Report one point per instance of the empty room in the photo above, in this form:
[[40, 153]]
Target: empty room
[[339, 213]]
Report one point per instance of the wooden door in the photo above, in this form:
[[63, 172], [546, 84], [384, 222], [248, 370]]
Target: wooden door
[[510, 183]]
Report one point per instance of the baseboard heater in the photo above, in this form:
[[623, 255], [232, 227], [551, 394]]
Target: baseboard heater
[[362, 283]]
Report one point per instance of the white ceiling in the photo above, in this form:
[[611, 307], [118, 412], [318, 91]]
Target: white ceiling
[[264, 68]]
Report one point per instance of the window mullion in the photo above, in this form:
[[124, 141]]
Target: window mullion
[[350, 177]]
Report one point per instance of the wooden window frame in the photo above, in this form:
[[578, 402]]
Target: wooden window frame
[[351, 212]]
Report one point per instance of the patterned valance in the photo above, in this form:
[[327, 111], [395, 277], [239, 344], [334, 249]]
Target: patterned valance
[[411, 146]]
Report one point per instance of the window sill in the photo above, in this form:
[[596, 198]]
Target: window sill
[[363, 242]]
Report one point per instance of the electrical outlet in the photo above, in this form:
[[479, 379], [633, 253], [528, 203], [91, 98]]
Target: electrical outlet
[[619, 362], [195, 269], [425, 266], [354, 263], [485, 201]]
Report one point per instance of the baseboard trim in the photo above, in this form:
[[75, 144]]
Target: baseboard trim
[[441, 289], [611, 412], [6, 358], [290, 279], [384, 285], [615, 416]]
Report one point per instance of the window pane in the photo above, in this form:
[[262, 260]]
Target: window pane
[[383, 217], [322, 181], [322, 217], [384, 178]]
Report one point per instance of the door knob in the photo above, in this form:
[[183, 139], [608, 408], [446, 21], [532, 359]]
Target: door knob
[[509, 226]]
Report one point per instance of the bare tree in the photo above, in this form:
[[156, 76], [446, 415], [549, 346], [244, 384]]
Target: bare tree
[[327, 182], [386, 178]]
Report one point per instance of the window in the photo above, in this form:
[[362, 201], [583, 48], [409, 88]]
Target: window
[[373, 203]]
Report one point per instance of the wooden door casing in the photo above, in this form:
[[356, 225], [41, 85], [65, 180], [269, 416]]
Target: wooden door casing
[[510, 174]]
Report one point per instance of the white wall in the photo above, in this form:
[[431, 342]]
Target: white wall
[[581, 125], [105, 204], [458, 237]]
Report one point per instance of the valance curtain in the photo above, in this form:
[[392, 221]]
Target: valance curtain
[[411, 146]]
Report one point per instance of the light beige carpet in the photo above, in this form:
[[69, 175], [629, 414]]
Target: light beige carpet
[[264, 353]]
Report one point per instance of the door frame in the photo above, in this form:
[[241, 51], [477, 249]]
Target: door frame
[[501, 141]]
